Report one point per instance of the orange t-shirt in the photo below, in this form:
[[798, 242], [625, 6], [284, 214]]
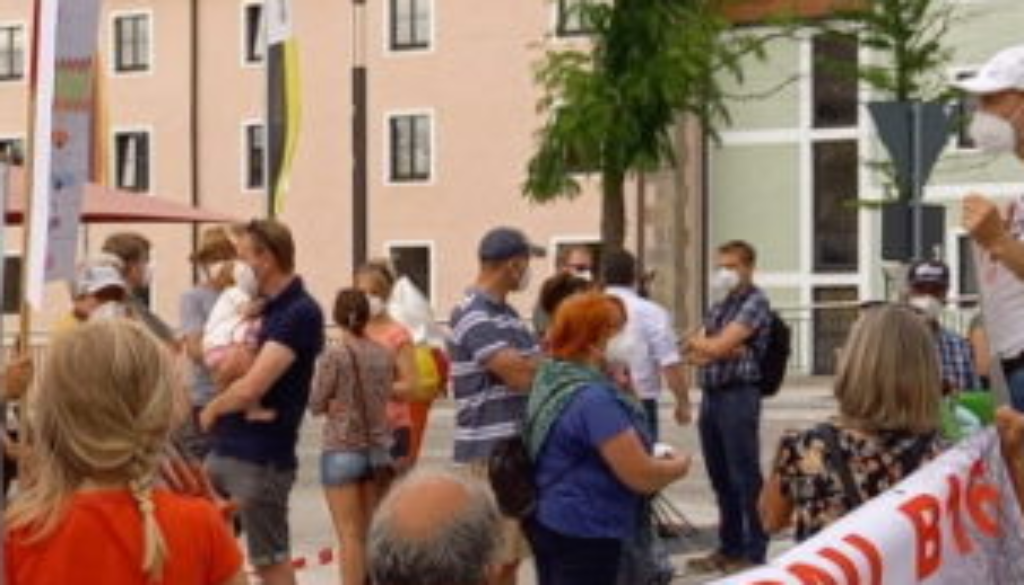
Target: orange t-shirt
[[100, 541]]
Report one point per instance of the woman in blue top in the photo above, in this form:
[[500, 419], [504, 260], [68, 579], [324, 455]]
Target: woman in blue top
[[591, 447]]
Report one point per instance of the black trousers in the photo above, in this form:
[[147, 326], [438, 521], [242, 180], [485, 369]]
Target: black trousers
[[569, 560]]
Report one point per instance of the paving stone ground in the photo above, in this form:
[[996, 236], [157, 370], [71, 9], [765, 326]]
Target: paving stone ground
[[799, 405]]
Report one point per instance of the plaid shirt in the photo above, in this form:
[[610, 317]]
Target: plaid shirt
[[957, 361], [752, 310]]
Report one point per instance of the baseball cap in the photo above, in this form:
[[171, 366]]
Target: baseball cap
[[96, 276], [931, 272], [504, 243], [1002, 72]]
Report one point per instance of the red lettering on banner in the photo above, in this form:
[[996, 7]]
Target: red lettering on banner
[[811, 575], [925, 513], [956, 517], [870, 552], [844, 563], [983, 501]]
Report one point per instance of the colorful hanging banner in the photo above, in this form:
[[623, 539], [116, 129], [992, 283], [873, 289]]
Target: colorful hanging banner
[[65, 70], [284, 101]]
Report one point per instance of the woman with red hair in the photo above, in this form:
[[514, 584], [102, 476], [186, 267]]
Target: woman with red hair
[[591, 448]]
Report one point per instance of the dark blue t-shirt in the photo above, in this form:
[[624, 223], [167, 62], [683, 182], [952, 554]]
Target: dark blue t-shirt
[[294, 320], [579, 493]]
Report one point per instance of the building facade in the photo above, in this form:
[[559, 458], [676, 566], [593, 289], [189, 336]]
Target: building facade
[[789, 171], [451, 123]]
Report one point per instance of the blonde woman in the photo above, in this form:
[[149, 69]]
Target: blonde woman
[[888, 388], [100, 418]]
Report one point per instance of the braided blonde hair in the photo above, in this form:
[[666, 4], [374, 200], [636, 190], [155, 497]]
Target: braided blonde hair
[[102, 413]]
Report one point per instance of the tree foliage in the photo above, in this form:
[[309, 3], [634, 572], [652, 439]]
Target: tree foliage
[[909, 36], [611, 107]]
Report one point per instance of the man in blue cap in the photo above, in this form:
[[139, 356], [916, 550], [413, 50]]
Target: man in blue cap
[[494, 358]]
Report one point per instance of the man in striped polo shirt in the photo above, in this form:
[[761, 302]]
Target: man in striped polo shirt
[[494, 357]]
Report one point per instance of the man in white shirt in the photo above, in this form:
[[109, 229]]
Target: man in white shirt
[[998, 128], [654, 355]]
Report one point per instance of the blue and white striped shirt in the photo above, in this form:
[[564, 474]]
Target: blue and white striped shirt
[[487, 410]]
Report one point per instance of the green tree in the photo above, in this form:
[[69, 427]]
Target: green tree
[[611, 107], [909, 36]]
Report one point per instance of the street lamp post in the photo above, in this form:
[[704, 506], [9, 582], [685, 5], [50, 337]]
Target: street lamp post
[[359, 134]]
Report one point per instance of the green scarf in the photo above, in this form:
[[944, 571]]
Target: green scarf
[[555, 385]]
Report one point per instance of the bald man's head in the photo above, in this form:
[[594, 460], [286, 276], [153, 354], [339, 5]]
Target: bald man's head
[[434, 528]]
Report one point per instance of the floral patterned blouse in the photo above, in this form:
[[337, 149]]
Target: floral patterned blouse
[[877, 462]]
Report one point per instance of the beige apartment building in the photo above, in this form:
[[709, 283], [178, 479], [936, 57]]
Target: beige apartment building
[[451, 123]]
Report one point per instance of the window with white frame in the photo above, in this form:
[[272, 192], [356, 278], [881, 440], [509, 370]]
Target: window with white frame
[[132, 160], [255, 156], [414, 261], [967, 278], [411, 153], [12, 151], [834, 82], [836, 218], [12, 285], [833, 318], [410, 24], [12, 52], [254, 33], [570, 18], [132, 39], [964, 109]]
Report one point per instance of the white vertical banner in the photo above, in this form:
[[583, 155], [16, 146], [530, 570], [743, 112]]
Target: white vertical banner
[[65, 76]]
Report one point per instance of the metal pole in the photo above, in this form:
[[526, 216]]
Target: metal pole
[[360, 215], [641, 240], [194, 161], [917, 183]]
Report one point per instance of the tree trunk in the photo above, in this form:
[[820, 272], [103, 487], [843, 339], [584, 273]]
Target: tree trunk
[[613, 210]]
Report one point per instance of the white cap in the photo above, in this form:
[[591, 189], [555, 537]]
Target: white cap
[[96, 276], [1003, 72]]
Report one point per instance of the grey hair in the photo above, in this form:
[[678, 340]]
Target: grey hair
[[457, 551]]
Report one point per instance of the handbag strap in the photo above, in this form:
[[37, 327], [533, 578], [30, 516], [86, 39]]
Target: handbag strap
[[830, 436], [359, 392]]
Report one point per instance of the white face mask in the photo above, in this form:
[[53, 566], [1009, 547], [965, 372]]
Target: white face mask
[[724, 281], [585, 275], [622, 349], [109, 310], [993, 134], [927, 304], [245, 279], [214, 270], [377, 305], [147, 274], [524, 279]]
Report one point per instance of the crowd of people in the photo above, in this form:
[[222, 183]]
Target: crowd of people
[[132, 475]]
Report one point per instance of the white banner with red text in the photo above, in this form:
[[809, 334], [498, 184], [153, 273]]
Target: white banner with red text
[[955, 521]]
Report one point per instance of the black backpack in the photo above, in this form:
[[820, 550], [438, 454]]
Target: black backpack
[[510, 471], [775, 359]]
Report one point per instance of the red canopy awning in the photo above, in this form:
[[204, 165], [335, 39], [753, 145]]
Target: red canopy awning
[[105, 205]]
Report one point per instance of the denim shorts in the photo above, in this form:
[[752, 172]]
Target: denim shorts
[[338, 468]]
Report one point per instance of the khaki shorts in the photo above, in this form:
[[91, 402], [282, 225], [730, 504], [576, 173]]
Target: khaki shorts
[[514, 546]]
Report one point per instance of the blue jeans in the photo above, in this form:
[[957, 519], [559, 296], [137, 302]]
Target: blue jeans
[[651, 409], [1015, 382], [730, 420]]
